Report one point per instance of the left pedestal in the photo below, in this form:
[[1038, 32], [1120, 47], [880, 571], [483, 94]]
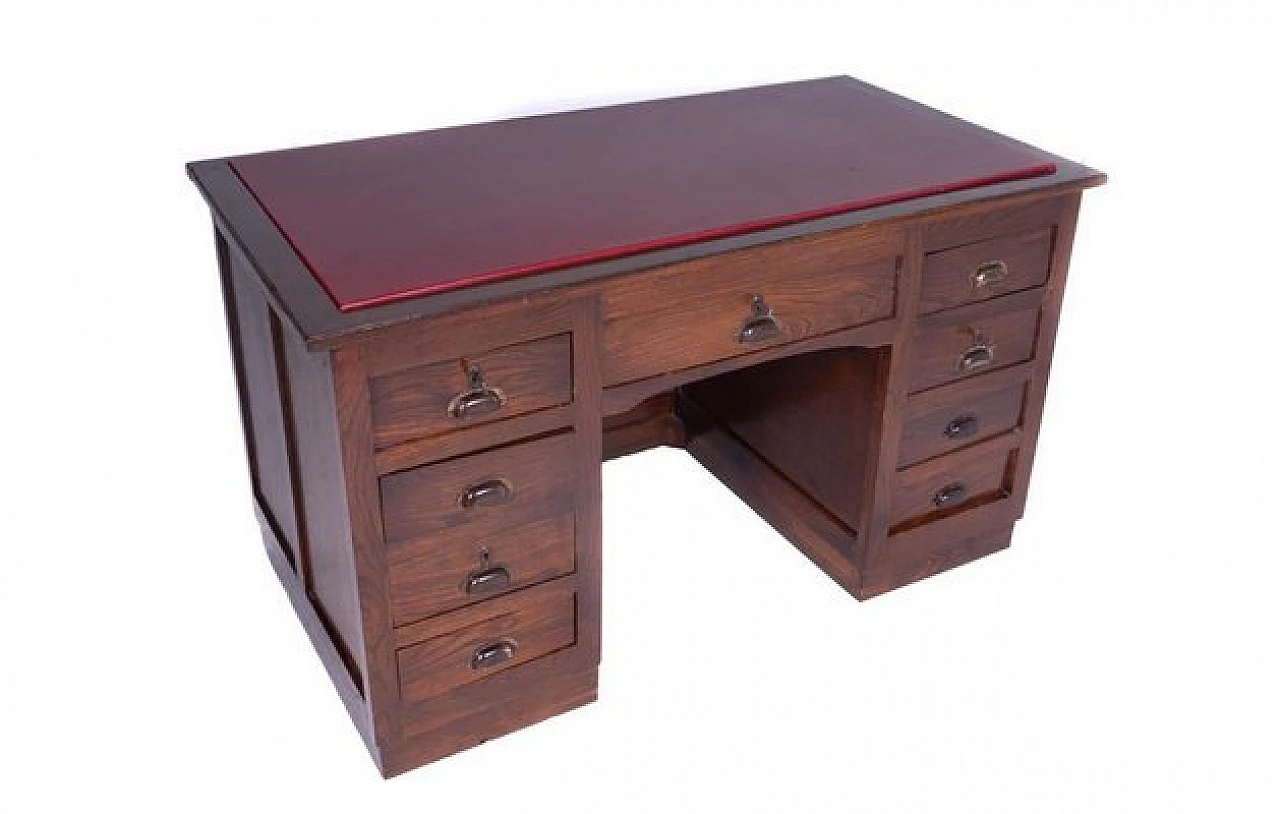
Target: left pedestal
[[430, 500]]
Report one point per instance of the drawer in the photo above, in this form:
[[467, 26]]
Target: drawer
[[501, 383], [481, 494], [989, 268], [486, 640], [717, 307], [955, 481], [961, 415], [437, 573], [964, 342]]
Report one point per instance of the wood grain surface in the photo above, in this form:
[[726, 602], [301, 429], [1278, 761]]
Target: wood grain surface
[[428, 500], [531, 628], [967, 417], [1006, 324], [951, 276], [692, 313], [414, 403], [429, 575]]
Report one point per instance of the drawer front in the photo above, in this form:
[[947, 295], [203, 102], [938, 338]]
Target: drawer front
[[705, 310], [952, 482], [481, 494], [434, 574], [468, 648], [974, 340], [983, 270], [502, 383], [964, 420]]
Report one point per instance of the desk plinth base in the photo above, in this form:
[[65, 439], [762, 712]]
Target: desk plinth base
[[537, 701]]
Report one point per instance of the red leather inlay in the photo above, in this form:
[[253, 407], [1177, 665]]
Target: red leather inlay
[[397, 217]]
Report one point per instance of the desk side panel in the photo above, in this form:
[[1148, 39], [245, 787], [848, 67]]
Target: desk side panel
[[293, 446], [909, 552], [322, 499], [264, 392]]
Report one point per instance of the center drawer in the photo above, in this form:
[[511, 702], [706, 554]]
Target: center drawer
[[718, 307]]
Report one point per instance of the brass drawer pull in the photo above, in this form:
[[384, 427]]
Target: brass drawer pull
[[950, 495], [980, 354], [478, 399], [989, 273], [492, 492], [488, 580], [965, 426], [761, 325], [491, 655]]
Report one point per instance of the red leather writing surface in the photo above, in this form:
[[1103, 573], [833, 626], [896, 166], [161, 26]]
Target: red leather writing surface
[[402, 216]]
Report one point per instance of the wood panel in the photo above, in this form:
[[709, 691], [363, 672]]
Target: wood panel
[[693, 313], [818, 534], [351, 395], [469, 439], [652, 423], [529, 627], [883, 443], [322, 498], [267, 429], [1006, 326], [964, 478], [511, 700], [924, 550], [464, 334], [811, 417], [432, 574], [967, 417], [588, 454], [980, 271], [236, 345], [349, 690], [538, 478], [621, 398], [1064, 236], [991, 220], [915, 560], [415, 403]]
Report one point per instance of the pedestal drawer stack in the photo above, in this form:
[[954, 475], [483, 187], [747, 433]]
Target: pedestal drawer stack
[[975, 375], [487, 478]]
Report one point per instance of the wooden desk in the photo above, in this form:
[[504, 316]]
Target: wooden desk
[[842, 303]]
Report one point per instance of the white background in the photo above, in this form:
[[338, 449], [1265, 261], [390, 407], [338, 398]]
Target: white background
[[1122, 656]]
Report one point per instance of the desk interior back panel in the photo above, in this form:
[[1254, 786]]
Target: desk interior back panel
[[812, 417]]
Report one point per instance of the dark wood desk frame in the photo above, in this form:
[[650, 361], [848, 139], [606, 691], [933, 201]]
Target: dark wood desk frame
[[828, 434]]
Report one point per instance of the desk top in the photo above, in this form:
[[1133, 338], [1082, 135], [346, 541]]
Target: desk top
[[396, 218]]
